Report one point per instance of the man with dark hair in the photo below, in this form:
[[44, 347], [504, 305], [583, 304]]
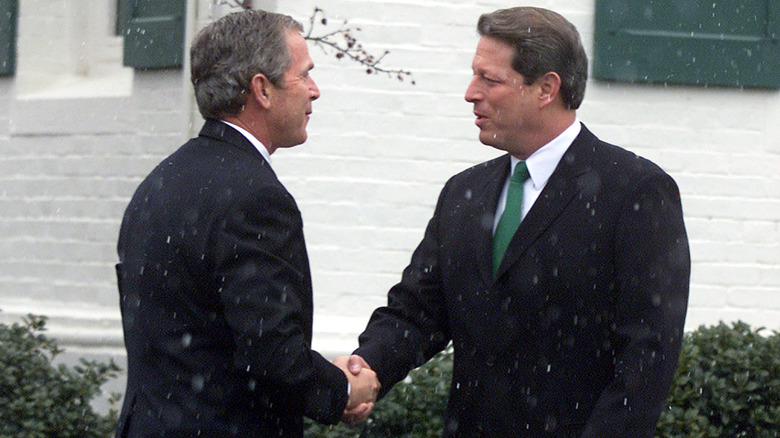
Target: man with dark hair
[[213, 274], [559, 271]]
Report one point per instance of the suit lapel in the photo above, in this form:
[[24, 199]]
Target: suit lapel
[[561, 188]]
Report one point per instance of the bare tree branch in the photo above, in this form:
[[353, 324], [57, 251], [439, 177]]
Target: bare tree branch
[[341, 41], [346, 45]]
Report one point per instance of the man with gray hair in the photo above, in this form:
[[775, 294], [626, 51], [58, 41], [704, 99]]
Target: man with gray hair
[[559, 270], [213, 274]]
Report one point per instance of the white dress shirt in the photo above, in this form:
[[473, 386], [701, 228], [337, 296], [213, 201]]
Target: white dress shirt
[[541, 165]]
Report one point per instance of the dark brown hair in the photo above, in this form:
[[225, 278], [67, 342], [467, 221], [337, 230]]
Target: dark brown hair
[[544, 42]]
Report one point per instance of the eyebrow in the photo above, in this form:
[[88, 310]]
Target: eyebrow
[[483, 72]]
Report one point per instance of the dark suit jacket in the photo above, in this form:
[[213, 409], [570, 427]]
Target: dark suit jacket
[[578, 334], [216, 300]]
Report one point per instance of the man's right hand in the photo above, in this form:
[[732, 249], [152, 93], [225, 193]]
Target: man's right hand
[[364, 388]]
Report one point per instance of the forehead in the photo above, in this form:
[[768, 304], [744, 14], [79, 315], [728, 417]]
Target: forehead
[[492, 53], [299, 52]]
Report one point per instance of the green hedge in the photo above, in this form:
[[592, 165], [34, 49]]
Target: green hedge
[[41, 400], [727, 385]]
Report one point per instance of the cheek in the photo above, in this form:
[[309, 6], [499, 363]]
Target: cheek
[[503, 114], [510, 111], [500, 104]]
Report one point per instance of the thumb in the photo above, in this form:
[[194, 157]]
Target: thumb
[[356, 363]]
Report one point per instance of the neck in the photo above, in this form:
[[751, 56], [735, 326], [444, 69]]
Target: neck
[[546, 132], [257, 129]]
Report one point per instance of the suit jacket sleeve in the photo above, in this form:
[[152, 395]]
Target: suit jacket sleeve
[[413, 327], [264, 281], [653, 268]]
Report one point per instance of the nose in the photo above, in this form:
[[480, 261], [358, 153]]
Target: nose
[[473, 93], [315, 91]]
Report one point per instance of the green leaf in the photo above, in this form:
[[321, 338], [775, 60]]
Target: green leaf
[[39, 400]]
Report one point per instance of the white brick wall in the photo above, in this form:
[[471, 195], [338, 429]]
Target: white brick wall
[[378, 153]]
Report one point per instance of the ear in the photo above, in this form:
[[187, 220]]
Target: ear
[[262, 90], [550, 88]]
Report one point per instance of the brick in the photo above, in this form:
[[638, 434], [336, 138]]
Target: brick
[[754, 298], [721, 274], [72, 116], [704, 317], [770, 278], [756, 232], [708, 297]]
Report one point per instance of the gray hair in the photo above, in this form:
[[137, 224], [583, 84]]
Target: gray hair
[[544, 42], [227, 53]]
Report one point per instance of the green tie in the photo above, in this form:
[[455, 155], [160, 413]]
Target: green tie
[[512, 215]]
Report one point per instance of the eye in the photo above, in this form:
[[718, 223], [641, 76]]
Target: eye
[[489, 80]]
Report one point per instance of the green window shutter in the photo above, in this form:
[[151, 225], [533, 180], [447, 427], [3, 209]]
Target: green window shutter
[[8, 11], [154, 33], [715, 43]]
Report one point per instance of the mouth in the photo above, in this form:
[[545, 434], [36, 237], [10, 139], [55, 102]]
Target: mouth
[[481, 118]]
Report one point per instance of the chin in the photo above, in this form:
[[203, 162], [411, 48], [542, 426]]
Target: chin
[[291, 143], [493, 142], [487, 138], [300, 139]]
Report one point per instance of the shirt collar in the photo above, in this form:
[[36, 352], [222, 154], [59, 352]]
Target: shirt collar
[[542, 163], [255, 142]]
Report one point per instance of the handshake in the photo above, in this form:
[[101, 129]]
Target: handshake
[[364, 388]]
